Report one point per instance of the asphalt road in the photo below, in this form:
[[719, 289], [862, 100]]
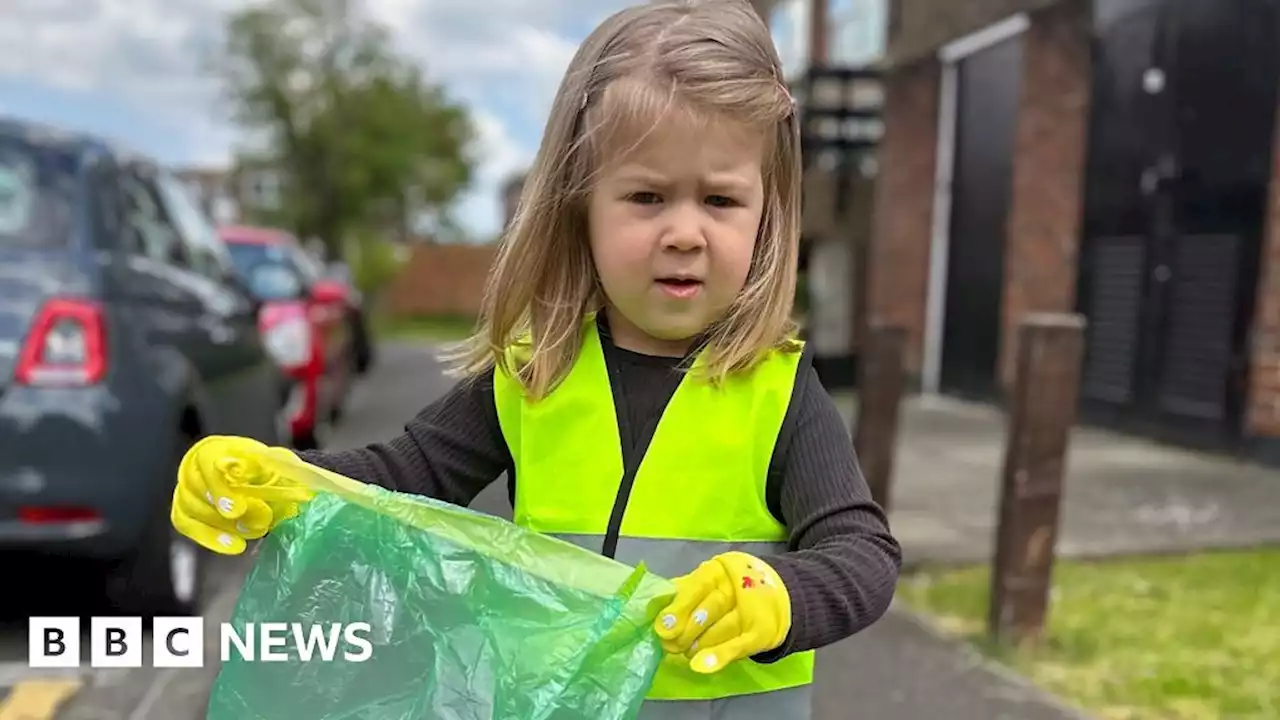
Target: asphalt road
[[896, 670]]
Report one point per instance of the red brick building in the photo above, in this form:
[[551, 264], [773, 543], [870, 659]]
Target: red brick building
[[232, 194], [1109, 157]]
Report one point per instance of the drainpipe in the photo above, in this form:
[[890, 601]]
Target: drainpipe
[[818, 32]]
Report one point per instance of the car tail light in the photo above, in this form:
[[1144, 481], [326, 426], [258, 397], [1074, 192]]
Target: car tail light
[[66, 346], [44, 515]]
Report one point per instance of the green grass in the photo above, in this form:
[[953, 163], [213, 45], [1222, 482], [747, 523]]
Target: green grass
[[431, 328], [1180, 638]]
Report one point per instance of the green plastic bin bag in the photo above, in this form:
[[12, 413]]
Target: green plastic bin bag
[[469, 617]]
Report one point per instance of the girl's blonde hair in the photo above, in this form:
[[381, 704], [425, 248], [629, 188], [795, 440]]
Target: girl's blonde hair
[[705, 60]]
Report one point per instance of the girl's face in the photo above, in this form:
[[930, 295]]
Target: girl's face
[[673, 229]]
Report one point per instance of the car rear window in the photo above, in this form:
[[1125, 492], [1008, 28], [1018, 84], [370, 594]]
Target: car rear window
[[267, 269], [37, 188]]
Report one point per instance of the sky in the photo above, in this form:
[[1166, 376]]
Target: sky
[[131, 70]]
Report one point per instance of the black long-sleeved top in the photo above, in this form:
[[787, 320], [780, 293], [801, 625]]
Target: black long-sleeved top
[[842, 564]]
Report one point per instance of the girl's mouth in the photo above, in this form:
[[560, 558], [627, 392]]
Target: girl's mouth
[[682, 288]]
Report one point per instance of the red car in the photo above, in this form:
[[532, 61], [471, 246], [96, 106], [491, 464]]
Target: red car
[[303, 322]]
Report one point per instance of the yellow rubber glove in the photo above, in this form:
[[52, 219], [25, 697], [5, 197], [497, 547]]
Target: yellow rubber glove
[[731, 607], [225, 497]]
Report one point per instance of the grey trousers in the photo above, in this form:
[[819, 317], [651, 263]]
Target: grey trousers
[[790, 704]]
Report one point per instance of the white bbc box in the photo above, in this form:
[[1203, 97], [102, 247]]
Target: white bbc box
[[177, 642], [53, 642], [115, 642]]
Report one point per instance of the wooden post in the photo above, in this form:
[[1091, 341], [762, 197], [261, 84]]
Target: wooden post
[[881, 377], [1042, 410], [818, 51]]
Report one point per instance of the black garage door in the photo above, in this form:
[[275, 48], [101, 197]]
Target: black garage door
[[988, 89], [1178, 171]]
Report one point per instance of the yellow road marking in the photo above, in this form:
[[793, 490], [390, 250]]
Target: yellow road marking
[[37, 699]]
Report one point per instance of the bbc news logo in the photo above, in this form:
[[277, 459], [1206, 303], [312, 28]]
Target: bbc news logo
[[178, 642]]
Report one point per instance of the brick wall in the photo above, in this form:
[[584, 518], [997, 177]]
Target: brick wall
[[923, 26], [441, 280], [1262, 408], [1047, 185], [898, 258], [1048, 171]]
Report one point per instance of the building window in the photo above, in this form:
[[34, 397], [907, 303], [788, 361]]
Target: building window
[[789, 25], [858, 31], [264, 189]]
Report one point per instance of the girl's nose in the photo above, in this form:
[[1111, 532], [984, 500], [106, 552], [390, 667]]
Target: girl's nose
[[685, 231]]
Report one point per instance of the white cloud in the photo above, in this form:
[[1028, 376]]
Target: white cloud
[[502, 57], [144, 46], [502, 156], [517, 63]]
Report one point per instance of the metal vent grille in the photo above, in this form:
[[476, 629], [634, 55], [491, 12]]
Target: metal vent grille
[[1197, 353], [1115, 306]]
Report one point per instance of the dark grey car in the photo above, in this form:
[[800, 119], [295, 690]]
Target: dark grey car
[[124, 337]]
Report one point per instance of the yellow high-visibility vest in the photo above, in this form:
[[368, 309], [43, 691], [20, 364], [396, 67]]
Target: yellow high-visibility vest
[[698, 489]]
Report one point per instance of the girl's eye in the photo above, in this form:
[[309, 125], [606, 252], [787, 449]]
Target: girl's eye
[[721, 201], [644, 198]]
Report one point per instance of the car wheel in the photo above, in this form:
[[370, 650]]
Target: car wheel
[[315, 439], [283, 424], [164, 574], [348, 375], [185, 568], [362, 346]]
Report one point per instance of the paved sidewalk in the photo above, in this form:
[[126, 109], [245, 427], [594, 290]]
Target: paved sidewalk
[[1122, 495], [899, 669]]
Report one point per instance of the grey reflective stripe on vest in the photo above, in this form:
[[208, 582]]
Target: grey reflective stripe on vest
[[790, 704], [671, 559]]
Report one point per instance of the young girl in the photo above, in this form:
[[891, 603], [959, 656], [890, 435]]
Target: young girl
[[636, 373]]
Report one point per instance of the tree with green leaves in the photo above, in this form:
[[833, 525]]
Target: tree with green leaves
[[360, 135]]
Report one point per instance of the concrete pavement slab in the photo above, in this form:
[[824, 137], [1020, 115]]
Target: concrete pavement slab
[[1122, 495], [901, 669]]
